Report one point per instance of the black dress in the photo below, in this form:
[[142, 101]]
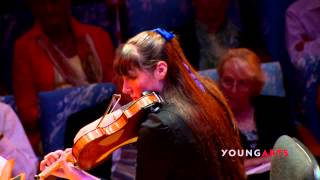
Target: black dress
[[167, 149]]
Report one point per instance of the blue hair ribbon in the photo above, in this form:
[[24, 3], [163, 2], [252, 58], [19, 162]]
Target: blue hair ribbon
[[168, 36], [164, 33]]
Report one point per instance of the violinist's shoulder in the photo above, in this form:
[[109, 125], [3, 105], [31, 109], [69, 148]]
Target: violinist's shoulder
[[160, 117], [166, 116], [168, 121]]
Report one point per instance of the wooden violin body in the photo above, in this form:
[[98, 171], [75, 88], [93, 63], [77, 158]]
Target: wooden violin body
[[120, 129]]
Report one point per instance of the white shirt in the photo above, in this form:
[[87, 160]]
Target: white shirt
[[75, 63], [15, 145]]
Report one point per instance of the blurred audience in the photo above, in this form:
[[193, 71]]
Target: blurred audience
[[14, 143], [261, 119], [215, 31], [302, 30], [57, 52], [303, 45]]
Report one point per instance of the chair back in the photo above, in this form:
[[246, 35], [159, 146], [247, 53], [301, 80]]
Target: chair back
[[274, 80], [56, 106], [10, 100], [300, 164]]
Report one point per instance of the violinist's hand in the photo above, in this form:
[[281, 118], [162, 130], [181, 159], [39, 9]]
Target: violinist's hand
[[64, 169]]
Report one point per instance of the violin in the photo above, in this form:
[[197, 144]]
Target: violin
[[95, 142]]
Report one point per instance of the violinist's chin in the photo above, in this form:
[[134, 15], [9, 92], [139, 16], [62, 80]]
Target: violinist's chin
[[133, 97]]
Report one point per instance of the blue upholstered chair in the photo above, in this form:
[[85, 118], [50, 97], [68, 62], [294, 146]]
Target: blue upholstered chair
[[56, 106], [9, 99], [274, 79], [298, 165]]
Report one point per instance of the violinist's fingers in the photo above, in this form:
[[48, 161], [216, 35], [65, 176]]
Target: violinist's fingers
[[50, 159], [68, 150], [65, 170], [43, 165], [53, 157], [56, 154]]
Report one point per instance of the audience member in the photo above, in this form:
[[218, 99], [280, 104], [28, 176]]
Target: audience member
[[14, 143], [57, 52], [261, 119], [215, 31]]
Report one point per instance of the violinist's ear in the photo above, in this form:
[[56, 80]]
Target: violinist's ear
[[161, 70]]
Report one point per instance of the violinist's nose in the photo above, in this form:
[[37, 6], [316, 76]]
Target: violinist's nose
[[125, 87]]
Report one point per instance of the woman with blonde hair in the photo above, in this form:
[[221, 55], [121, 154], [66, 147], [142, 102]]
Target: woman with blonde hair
[[261, 119]]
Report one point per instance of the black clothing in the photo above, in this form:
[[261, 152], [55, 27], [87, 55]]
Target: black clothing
[[273, 119], [167, 149]]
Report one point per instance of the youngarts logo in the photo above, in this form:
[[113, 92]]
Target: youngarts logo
[[254, 153]]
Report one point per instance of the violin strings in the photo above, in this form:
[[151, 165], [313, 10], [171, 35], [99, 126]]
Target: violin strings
[[114, 102]]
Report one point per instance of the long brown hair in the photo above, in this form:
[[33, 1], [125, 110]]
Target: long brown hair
[[205, 110]]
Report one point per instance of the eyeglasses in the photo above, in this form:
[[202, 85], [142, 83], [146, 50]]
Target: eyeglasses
[[241, 85]]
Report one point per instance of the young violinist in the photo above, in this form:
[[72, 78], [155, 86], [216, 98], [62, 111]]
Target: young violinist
[[184, 139]]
